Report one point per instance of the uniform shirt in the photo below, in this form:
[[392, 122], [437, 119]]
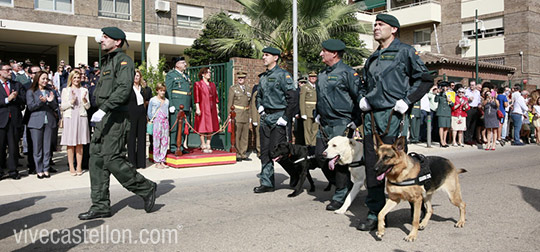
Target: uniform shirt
[[114, 86], [239, 97], [308, 99], [337, 95], [178, 89], [274, 93]]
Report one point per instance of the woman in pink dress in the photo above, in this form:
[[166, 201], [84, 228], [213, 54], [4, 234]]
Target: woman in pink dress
[[206, 108]]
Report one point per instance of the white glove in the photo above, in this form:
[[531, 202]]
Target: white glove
[[249, 120], [318, 119], [364, 105], [255, 124], [96, 117], [352, 125], [172, 109], [401, 107], [304, 117], [261, 110], [281, 122]]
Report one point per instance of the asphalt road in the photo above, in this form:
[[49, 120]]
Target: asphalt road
[[221, 213]]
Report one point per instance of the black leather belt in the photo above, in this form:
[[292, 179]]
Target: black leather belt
[[271, 111]]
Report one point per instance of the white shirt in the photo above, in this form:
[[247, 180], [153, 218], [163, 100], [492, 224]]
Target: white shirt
[[475, 94], [140, 99], [519, 104], [424, 103]]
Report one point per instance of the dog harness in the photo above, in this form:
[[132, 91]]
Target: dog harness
[[424, 177], [357, 163]]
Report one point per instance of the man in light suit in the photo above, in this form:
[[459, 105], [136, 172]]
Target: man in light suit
[[12, 99]]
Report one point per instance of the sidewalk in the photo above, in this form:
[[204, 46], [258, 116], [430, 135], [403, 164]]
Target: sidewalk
[[63, 181]]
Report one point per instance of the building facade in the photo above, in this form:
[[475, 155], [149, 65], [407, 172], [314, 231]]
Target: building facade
[[52, 30], [508, 33]]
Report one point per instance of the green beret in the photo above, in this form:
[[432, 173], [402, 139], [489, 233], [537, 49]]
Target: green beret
[[389, 19], [333, 45], [271, 50], [114, 33]]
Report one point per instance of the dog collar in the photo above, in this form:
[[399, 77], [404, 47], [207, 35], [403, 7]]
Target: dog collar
[[304, 158], [357, 163]]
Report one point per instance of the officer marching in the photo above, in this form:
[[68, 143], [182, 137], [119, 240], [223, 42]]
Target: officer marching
[[337, 110], [178, 93], [108, 144], [308, 101], [255, 119], [239, 96], [275, 91]]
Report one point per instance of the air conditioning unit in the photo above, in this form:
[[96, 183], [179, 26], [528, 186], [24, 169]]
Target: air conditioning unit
[[163, 6], [465, 43]]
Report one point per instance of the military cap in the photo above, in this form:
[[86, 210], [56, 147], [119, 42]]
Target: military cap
[[241, 75], [115, 33], [389, 19], [333, 45], [271, 50], [303, 79], [312, 74], [443, 84], [179, 58]]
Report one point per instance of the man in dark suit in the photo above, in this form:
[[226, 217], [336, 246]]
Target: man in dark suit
[[12, 98]]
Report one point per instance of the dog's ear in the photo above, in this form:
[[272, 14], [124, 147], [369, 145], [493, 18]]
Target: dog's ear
[[400, 143]]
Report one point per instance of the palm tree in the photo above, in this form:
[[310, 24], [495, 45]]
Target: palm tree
[[271, 25]]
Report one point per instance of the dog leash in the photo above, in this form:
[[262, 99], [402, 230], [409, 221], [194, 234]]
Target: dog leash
[[304, 158], [374, 131]]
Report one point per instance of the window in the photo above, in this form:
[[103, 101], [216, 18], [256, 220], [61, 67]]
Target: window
[[422, 37], [494, 27], [189, 16], [120, 9], [6, 2], [53, 5]]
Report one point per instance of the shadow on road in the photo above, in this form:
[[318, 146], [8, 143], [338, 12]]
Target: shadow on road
[[28, 222], [531, 196], [19, 205]]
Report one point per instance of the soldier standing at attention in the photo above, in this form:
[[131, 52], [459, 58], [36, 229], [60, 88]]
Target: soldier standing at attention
[[337, 96], [308, 100], [239, 97], [108, 144], [394, 79], [178, 93], [275, 91]]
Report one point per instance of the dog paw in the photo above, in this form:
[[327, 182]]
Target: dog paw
[[460, 224], [339, 211], [410, 238], [380, 234], [422, 226]]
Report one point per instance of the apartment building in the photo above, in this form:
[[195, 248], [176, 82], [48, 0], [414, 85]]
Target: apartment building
[[52, 30], [444, 31]]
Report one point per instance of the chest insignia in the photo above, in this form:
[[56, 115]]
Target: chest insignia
[[388, 57]]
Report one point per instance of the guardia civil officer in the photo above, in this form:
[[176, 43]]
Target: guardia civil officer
[[394, 79], [239, 96], [108, 144], [308, 101], [255, 119], [275, 91], [336, 110], [178, 93]]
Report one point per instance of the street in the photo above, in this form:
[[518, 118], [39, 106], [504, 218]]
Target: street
[[219, 212]]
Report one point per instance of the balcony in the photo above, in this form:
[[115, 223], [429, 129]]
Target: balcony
[[425, 12]]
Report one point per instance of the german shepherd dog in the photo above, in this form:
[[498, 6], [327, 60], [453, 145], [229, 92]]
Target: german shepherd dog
[[297, 163], [397, 166]]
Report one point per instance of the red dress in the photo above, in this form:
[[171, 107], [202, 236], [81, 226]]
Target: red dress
[[206, 96]]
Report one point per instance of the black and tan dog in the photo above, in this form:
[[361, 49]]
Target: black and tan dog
[[403, 183], [297, 163]]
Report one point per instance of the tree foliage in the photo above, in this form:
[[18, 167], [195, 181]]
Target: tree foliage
[[202, 52], [153, 74]]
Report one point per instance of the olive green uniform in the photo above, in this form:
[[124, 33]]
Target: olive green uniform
[[255, 119], [337, 105], [274, 92], [308, 101], [389, 75], [239, 97], [178, 93], [108, 145], [416, 114]]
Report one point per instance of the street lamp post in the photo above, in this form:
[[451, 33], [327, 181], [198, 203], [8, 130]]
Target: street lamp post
[[98, 40], [476, 20]]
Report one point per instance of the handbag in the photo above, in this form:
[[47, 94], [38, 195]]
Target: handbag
[[150, 124], [499, 114]]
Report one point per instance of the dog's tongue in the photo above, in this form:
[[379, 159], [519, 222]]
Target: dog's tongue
[[332, 163], [381, 177]]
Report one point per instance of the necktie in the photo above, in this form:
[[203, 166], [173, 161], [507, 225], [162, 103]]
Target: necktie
[[6, 88]]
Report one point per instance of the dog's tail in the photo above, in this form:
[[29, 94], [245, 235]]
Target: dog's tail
[[459, 171]]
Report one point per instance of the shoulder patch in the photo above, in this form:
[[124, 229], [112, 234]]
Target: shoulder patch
[[416, 52], [288, 76], [123, 63], [355, 74]]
